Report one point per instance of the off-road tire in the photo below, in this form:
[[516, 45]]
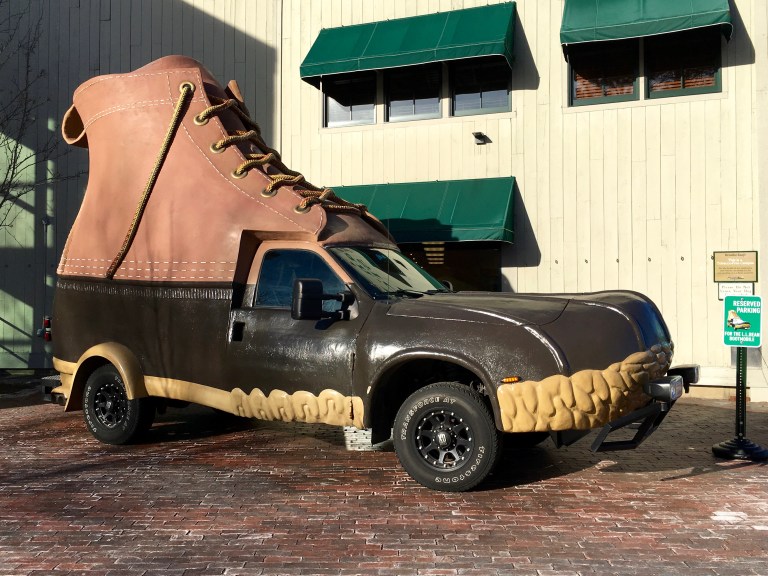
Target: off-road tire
[[445, 437], [109, 415]]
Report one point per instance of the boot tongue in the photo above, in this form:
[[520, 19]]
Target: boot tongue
[[233, 91]]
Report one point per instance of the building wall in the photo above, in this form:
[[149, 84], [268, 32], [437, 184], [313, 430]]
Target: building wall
[[628, 195], [632, 195], [84, 38]]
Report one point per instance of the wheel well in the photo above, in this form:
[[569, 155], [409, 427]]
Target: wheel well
[[75, 401], [397, 384]]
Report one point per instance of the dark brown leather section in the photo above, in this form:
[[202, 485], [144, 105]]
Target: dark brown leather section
[[174, 331]]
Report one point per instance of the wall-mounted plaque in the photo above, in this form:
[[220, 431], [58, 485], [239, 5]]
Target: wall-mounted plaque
[[735, 266]]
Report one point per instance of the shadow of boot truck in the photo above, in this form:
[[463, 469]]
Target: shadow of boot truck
[[207, 271]]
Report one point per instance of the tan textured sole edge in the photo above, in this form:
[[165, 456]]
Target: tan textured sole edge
[[587, 399], [329, 407]]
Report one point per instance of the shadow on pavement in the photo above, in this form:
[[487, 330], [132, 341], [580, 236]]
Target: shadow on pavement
[[21, 387], [193, 423]]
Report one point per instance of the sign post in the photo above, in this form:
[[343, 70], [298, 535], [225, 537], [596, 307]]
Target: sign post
[[742, 330]]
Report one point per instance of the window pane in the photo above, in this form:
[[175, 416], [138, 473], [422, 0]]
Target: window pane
[[383, 272], [667, 80], [426, 105], [466, 265], [604, 70], [350, 99], [363, 113], [413, 92], [683, 60], [697, 77], [586, 87], [496, 98], [468, 101], [480, 85], [281, 267], [619, 85], [400, 108], [337, 113]]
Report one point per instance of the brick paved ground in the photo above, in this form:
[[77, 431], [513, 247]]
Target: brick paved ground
[[210, 495]]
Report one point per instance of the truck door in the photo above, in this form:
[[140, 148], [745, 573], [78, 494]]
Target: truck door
[[269, 350]]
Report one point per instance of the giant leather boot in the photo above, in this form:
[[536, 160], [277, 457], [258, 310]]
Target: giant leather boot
[[178, 171]]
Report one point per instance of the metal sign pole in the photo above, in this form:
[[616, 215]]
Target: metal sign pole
[[740, 448]]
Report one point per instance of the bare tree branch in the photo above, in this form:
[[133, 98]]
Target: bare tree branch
[[25, 158]]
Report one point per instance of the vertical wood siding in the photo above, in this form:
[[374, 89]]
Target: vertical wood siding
[[84, 38], [634, 195]]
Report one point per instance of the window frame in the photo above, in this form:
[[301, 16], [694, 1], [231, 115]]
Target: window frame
[[446, 96], [716, 88], [637, 72], [643, 78]]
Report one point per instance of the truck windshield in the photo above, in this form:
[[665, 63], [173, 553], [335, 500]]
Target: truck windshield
[[384, 273]]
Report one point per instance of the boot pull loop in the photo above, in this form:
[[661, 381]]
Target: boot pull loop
[[186, 89], [72, 128]]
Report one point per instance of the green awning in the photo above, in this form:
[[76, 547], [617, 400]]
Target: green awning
[[482, 31], [595, 20], [449, 210]]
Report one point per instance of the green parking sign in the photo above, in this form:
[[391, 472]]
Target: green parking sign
[[742, 324]]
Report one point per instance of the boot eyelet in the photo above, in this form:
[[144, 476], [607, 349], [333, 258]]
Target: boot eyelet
[[200, 121], [237, 174], [300, 210], [269, 193], [216, 149], [186, 84]]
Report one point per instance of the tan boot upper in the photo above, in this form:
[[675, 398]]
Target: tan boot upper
[[203, 197]]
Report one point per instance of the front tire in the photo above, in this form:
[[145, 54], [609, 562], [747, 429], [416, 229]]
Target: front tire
[[445, 437], [109, 415]]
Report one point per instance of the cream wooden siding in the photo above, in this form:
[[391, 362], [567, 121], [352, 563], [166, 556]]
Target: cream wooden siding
[[84, 38], [634, 195]]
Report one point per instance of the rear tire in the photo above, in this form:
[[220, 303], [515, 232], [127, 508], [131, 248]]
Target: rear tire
[[109, 415], [445, 437]]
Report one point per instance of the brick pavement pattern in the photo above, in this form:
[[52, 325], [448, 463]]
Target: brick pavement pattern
[[212, 495]]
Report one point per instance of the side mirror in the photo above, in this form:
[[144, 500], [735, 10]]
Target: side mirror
[[307, 300]]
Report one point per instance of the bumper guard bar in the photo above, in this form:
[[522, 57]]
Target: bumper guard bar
[[664, 391]]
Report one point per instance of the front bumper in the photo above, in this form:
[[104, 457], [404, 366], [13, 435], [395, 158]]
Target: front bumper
[[664, 391]]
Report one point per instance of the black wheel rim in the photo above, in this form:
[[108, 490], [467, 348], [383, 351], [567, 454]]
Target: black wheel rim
[[110, 404], [444, 440]]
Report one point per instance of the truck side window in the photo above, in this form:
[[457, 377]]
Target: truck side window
[[281, 267]]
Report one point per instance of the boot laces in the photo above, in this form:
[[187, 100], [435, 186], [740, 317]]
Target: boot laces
[[269, 157], [309, 193]]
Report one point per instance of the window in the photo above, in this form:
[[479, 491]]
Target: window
[[413, 93], [281, 267], [604, 72], [384, 273], [466, 265], [480, 87], [350, 99], [676, 64], [473, 85], [683, 63]]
